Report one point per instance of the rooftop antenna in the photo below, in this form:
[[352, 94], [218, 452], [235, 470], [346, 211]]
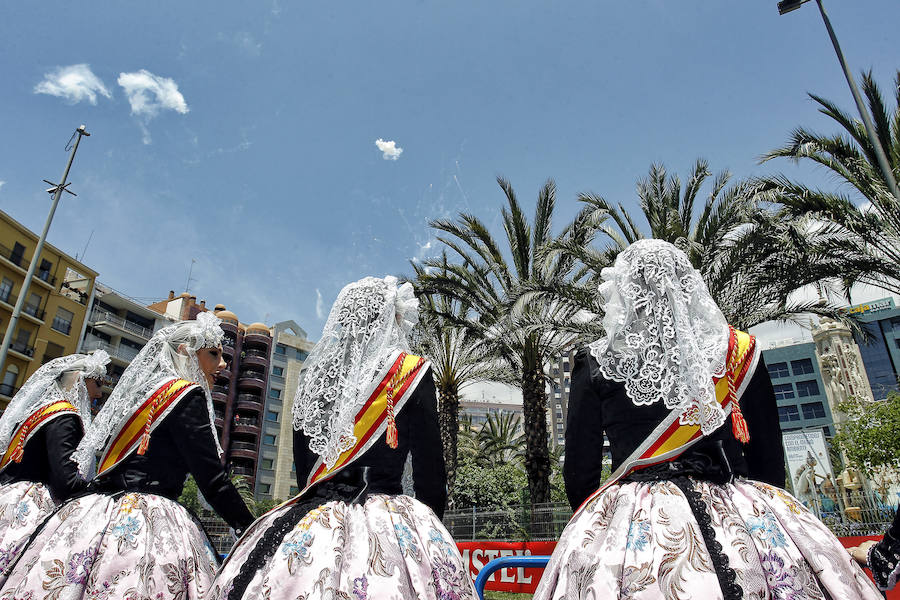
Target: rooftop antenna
[[187, 285], [90, 237]]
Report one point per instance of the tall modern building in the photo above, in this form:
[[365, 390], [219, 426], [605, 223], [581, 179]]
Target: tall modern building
[[799, 388], [53, 315], [276, 473], [561, 375], [880, 350]]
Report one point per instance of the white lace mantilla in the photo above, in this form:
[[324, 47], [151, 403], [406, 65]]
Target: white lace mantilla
[[665, 336], [368, 323]]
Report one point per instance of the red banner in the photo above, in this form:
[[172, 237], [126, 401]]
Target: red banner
[[524, 581]]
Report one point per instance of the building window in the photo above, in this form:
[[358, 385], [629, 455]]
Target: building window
[[278, 371], [803, 366], [778, 370], [280, 349], [269, 439], [62, 322], [273, 393], [294, 490], [788, 413], [784, 391], [272, 416], [267, 463], [813, 410], [559, 426], [807, 388], [6, 289], [293, 467], [33, 306], [265, 488], [302, 354]]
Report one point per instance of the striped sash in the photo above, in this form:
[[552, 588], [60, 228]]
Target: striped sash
[[134, 434], [401, 378], [670, 438], [16, 449]]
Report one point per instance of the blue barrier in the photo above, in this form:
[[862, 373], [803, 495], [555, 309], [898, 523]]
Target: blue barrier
[[528, 562]]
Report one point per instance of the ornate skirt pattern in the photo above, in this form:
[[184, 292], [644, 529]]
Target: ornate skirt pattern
[[23, 506], [390, 547], [129, 547], [641, 541]]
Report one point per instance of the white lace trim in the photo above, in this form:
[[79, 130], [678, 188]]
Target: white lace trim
[[665, 336], [160, 359], [60, 379], [367, 325]]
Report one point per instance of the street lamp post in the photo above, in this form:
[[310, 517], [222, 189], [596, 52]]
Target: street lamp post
[[786, 6], [57, 190]]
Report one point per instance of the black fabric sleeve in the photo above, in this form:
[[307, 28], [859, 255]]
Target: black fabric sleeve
[[583, 466], [304, 458], [765, 451], [429, 471], [62, 436], [883, 557], [192, 434]]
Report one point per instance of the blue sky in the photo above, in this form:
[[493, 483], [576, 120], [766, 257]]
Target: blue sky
[[244, 136]]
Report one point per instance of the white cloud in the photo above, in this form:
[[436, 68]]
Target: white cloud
[[320, 305], [74, 83], [390, 150], [148, 94]]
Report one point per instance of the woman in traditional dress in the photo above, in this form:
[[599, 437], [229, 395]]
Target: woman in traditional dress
[[693, 508], [362, 405], [39, 431], [130, 538], [883, 557]]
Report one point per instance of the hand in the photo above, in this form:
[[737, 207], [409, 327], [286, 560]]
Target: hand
[[861, 553]]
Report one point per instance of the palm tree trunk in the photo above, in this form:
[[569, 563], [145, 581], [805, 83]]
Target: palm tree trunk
[[448, 418], [537, 456]]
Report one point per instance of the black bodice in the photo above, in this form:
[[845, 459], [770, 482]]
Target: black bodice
[[47, 458], [418, 435], [597, 405]]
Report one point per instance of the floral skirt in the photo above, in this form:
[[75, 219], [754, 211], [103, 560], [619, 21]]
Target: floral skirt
[[130, 546], [390, 547], [642, 541], [23, 506]]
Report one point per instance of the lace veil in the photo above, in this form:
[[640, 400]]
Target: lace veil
[[665, 337], [368, 323], [157, 362], [60, 379]]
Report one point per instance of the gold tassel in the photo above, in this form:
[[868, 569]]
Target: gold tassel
[[391, 435], [739, 425], [17, 454]]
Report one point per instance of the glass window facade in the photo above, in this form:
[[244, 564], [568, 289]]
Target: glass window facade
[[802, 366], [269, 439], [784, 391], [271, 416], [807, 388], [788, 413], [813, 410], [779, 369]]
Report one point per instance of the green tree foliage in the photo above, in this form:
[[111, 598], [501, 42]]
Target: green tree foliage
[[870, 436], [489, 487], [190, 496]]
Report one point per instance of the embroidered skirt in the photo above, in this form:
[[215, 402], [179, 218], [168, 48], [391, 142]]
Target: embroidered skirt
[[643, 541], [115, 547], [23, 506], [389, 547]]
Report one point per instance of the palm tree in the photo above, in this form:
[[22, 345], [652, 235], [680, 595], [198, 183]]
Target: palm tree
[[864, 228], [497, 289], [458, 358], [752, 261], [501, 440]]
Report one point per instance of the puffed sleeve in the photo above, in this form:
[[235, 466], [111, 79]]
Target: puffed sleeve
[[62, 436], [192, 433], [429, 471], [583, 466], [883, 557], [765, 451]]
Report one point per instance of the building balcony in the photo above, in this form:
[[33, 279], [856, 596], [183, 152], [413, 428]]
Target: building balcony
[[20, 263], [259, 340], [221, 389], [252, 380], [120, 352], [244, 446], [219, 397], [242, 452], [224, 375], [7, 390], [244, 471], [21, 350], [113, 324], [31, 312], [255, 359], [249, 403]]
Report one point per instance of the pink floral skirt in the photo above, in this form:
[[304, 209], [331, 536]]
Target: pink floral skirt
[[391, 547], [23, 506], [642, 541], [135, 546]]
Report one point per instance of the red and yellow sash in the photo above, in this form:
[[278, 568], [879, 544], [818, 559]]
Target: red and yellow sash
[[16, 449], [375, 417], [134, 435], [671, 438]]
